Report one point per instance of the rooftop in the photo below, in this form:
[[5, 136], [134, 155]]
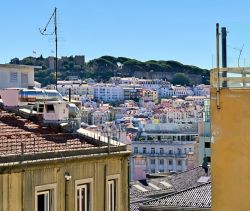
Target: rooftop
[[143, 192], [22, 140], [195, 197], [19, 66]]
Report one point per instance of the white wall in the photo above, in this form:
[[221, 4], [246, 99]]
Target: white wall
[[6, 70]]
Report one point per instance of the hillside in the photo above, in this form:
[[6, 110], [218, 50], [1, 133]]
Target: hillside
[[101, 69]]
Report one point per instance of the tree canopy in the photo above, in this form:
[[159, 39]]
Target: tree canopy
[[181, 79], [101, 69]]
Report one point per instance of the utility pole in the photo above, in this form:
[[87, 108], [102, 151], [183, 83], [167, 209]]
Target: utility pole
[[43, 32]]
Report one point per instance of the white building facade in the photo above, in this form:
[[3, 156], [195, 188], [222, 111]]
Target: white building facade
[[108, 92], [16, 76], [163, 148]]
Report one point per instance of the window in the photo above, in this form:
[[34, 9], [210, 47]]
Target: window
[[179, 151], [152, 150], [83, 195], [135, 149], [13, 77], [179, 162], [43, 201], [50, 108], [161, 150], [170, 162], [161, 161], [207, 145], [152, 161], [144, 150], [152, 170], [170, 151], [112, 195], [45, 198], [24, 79]]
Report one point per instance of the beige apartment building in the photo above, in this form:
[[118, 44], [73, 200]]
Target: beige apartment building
[[42, 169]]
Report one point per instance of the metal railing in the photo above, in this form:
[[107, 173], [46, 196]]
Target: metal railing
[[238, 77], [172, 155]]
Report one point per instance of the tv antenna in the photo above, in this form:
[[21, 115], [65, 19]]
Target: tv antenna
[[45, 33], [240, 52]]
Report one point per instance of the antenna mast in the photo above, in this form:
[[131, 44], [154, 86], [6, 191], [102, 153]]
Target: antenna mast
[[43, 32]]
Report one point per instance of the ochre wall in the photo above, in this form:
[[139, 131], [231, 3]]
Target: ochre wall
[[16, 183], [230, 131]]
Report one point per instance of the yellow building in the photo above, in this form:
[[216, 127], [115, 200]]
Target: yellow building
[[43, 170], [230, 137], [150, 95]]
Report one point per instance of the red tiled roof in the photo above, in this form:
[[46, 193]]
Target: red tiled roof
[[20, 136]]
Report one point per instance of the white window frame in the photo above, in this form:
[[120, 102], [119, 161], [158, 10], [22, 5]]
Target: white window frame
[[49, 190], [117, 180], [85, 183]]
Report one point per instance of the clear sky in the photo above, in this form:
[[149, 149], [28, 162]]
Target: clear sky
[[182, 30]]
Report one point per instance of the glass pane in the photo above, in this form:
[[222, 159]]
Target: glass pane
[[83, 200], [77, 199], [40, 202]]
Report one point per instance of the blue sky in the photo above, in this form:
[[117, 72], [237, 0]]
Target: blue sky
[[182, 30]]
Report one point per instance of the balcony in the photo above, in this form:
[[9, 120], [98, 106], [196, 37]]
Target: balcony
[[230, 77], [165, 143], [170, 155]]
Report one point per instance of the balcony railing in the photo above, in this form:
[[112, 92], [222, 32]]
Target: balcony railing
[[172, 155], [232, 78], [162, 142]]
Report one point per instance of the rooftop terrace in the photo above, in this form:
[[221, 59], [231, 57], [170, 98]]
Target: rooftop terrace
[[230, 77]]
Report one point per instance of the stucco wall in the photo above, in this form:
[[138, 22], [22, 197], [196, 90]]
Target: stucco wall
[[230, 136], [5, 71], [19, 185]]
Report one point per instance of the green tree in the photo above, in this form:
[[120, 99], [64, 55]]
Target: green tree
[[181, 79], [15, 61]]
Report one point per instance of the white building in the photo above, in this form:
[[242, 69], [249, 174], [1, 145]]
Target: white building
[[205, 134], [99, 117], [198, 100], [153, 84], [108, 92], [16, 76], [163, 148], [202, 90], [178, 91], [172, 115], [76, 89]]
